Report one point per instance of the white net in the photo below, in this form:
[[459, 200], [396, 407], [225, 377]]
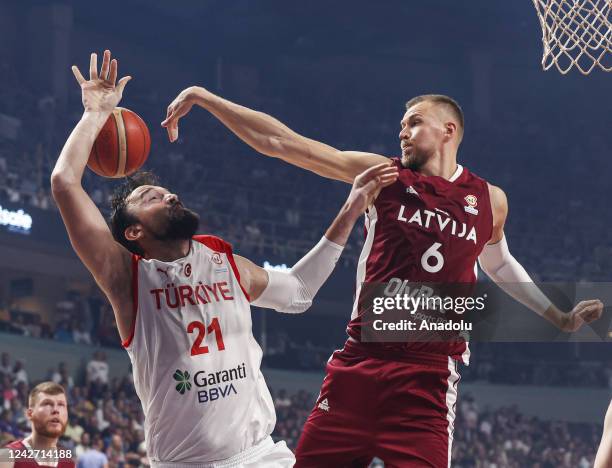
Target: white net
[[576, 33]]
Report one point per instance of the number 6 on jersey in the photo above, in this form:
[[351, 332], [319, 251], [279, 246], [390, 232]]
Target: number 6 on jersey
[[432, 253]]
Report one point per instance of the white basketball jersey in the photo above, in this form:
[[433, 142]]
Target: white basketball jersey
[[195, 361]]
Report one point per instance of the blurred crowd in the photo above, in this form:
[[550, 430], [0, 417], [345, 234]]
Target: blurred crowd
[[504, 437], [106, 420], [268, 209]]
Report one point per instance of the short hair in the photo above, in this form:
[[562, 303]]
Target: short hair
[[120, 219], [50, 388], [447, 101]]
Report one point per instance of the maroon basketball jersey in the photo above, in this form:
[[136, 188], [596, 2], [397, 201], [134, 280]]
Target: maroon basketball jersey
[[22, 461], [425, 229]]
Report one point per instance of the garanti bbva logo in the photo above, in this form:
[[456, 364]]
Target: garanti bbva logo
[[211, 385]]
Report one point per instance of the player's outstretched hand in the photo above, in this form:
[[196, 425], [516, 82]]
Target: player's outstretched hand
[[178, 108], [584, 312], [100, 93], [368, 185]]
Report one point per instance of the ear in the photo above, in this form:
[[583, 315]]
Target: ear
[[134, 232], [450, 129], [29, 412]]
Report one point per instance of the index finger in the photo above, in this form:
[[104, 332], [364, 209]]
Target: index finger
[[371, 172]]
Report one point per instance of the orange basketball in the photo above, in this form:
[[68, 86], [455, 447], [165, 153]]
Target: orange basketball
[[122, 146]]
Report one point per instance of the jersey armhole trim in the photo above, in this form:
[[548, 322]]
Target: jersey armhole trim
[[126, 343], [230, 257]]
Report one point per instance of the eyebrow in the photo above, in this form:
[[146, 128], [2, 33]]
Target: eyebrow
[[416, 114], [144, 192]]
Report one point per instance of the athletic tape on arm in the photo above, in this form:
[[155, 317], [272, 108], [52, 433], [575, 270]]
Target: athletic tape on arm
[[499, 264], [293, 291]]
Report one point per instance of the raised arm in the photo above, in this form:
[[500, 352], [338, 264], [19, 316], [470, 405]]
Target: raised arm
[[499, 264], [89, 234], [294, 291], [268, 136]]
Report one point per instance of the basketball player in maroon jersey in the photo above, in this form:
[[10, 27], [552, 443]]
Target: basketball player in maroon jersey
[[396, 401], [48, 415]]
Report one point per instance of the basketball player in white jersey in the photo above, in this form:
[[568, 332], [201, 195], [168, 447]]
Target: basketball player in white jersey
[[181, 301]]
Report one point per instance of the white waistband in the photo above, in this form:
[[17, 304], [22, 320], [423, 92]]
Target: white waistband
[[231, 462]]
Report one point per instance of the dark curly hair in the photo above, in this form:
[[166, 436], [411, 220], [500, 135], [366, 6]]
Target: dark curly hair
[[120, 219]]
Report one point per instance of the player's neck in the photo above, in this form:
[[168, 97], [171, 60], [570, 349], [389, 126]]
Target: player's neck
[[440, 166], [168, 251], [40, 442]]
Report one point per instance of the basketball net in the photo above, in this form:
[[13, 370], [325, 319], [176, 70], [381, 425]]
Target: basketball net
[[576, 33]]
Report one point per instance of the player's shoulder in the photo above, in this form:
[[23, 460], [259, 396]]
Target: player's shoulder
[[16, 444], [495, 192], [497, 195], [213, 242]]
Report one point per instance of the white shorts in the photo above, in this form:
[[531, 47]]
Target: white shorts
[[265, 454]]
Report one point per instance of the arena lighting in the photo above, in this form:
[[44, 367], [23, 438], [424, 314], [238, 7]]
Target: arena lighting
[[282, 267], [17, 221]]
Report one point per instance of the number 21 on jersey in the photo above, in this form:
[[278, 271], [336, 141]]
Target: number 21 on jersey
[[201, 328]]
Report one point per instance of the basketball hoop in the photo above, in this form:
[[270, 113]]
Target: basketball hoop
[[576, 33]]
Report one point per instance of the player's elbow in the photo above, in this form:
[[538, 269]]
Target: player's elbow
[[295, 307], [61, 183]]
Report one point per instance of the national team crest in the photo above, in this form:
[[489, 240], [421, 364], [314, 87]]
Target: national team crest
[[216, 258], [472, 202]]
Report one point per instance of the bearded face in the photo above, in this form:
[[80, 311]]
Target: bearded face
[[161, 215], [49, 415], [182, 224]]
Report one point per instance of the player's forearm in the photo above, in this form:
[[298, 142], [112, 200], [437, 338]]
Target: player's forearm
[[268, 135], [340, 229], [71, 163], [499, 264]]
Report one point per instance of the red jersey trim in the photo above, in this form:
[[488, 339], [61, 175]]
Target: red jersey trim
[[135, 258], [219, 245], [16, 444]]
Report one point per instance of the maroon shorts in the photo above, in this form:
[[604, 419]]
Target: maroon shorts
[[402, 412]]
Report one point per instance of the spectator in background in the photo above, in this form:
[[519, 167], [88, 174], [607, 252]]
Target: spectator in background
[[61, 376], [115, 452], [97, 369], [74, 430], [8, 431], [8, 391], [18, 411], [63, 333], [93, 457], [20, 326], [83, 445], [34, 327], [97, 376], [19, 372], [282, 400], [80, 334], [5, 365]]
